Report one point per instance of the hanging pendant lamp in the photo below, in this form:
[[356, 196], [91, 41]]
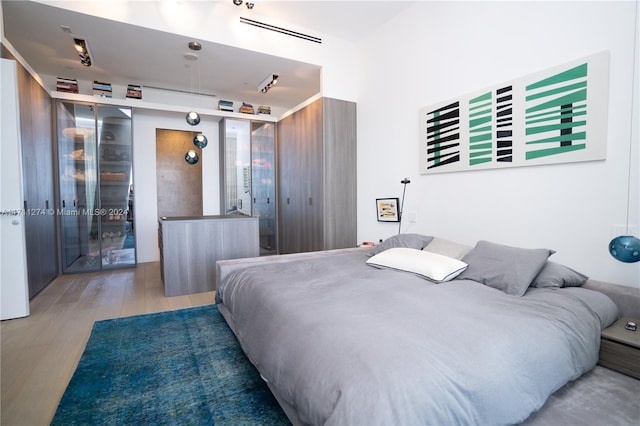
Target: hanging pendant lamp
[[193, 118], [200, 140], [626, 248], [191, 157]]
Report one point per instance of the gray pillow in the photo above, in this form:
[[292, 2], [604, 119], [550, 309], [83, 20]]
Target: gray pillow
[[415, 241], [447, 248], [557, 275], [510, 269]]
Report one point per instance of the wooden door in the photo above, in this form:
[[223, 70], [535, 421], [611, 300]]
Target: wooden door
[[339, 138], [179, 184], [13, 263], [311, 175], [288, 224], [36, 130]]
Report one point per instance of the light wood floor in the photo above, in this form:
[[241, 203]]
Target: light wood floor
[[40, 352]]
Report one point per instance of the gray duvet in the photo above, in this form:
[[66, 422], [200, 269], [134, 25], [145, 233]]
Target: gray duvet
[[343, 343]]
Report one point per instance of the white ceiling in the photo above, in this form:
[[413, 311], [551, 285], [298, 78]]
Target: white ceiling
[[125, 54]]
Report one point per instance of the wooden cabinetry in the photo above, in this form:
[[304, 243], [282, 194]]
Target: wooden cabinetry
[[620, 348], [190, 247], [317, 177], [38, 177]]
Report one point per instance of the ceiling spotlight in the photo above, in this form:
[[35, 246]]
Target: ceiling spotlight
[[250, 5], [237, 2], [267, 83], [82, 48], [194, 45]]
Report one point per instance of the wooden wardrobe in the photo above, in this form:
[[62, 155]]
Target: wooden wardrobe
[[316, 149]]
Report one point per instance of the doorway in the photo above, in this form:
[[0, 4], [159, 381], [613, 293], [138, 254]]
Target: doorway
[[179, 184]]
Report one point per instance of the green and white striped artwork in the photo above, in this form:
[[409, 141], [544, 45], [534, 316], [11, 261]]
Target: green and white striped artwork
[[558, 115]]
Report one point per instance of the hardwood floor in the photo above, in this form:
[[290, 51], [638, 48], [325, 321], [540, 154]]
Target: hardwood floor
[[39, 353]]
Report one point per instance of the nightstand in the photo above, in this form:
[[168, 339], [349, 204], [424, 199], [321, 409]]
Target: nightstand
[[620, 348]]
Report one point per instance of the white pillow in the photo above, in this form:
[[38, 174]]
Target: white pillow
[[432, 266]]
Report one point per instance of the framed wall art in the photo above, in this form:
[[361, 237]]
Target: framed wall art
[[558, 115], [387, 209]]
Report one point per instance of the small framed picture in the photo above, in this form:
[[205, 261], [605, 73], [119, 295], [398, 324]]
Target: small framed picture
[[387, 209]]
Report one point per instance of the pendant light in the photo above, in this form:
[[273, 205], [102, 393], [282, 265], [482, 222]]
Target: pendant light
[[626, 248], [191, 157], [200, 140], [193, 118]]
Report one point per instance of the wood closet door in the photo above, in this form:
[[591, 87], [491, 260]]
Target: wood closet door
[[339, 137], [289, 224], [317, 177], [311, 176], [36, 132]]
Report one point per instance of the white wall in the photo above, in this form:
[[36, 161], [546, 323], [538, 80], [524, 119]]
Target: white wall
[[145, 123], [439, 50]]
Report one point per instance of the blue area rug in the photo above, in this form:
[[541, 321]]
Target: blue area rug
[[180, 367]]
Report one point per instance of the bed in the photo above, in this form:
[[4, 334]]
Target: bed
[[482, 335]]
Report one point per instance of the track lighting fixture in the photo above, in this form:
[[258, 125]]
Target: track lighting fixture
[[267, 83], [82, 48], [626, 248]]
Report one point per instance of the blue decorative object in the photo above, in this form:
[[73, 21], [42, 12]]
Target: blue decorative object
[[191, 157], [625, 248], [200, 140], [193, 118]]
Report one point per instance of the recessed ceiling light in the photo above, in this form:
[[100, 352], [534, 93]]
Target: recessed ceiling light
[[66, 29]]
